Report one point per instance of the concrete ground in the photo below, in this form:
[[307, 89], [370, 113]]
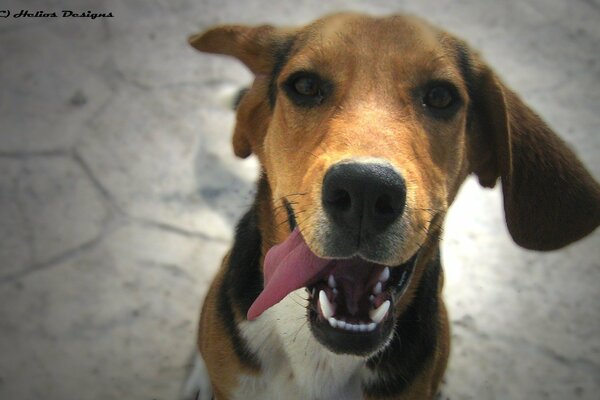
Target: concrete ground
[[119, 191]]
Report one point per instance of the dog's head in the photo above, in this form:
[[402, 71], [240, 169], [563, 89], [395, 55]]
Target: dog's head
[[365, 129]]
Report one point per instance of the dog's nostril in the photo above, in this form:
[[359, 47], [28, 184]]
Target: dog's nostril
[[340, 199], [384, 205]]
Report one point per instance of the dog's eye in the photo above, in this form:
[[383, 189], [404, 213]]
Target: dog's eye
[[306, 86], [438, 97], [307, 89]]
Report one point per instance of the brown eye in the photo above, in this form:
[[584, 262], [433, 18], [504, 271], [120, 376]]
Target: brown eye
[[306, 86], [438, 97]]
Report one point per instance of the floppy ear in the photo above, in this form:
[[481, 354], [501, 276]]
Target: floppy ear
[[248, 44], [550, 199], [258, 48]]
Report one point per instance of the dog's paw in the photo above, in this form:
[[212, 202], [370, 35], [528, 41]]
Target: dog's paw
[[197, 385]]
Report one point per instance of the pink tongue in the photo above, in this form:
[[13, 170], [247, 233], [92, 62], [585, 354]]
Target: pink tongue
[[288, 266]]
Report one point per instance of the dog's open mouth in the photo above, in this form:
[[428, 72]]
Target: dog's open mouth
[[351, 306], [357, 296], [350, 300]]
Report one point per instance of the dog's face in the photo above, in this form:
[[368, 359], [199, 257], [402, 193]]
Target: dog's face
[[366, 142], [365, 129], [365, 149]]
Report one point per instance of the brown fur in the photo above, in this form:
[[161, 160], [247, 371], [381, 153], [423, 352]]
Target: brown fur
[[376, 64], [216, 347]]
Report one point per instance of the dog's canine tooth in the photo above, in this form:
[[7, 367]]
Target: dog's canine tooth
[[385, 274], [331, 282], [378, 313], [333, 322], [378, 288], [326, 306]]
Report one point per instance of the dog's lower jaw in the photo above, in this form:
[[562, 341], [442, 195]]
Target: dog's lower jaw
[[377, 290]]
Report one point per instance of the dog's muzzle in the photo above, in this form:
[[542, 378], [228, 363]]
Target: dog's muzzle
[[363, 203]]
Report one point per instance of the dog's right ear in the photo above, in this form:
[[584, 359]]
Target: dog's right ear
[[259, 49]]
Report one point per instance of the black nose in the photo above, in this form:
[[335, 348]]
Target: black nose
[[363, 197]]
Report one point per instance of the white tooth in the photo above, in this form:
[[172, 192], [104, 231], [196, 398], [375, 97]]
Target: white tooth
[[378, 313], [332, 322], [326, 306], [371, 326], [331, 281], [377, 289], [312, 293], [363, 327], [372, 298], [385, 274], [341, 324]]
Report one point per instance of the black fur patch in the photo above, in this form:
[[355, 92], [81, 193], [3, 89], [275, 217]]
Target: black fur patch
[[281, 56], [466, 70], [242, 283], [290, 214], [414, 341], [244, 276], [239, 97]]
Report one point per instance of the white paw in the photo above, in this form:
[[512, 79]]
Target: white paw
[[197, 385]]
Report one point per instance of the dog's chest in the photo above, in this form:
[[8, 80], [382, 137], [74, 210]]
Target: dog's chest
[[294, 364]]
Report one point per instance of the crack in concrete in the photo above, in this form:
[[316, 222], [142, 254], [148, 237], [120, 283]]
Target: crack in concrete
[[173, 269], [27, 222], [59, 258], [117, 216], [177, 230], [120, 75], [83, 328], [25, 155], [108, 199], [89, 121]]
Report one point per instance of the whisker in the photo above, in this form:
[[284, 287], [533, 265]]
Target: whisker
[[299, 329]]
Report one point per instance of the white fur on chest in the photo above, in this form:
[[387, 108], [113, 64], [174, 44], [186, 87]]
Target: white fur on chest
[[294, 364]]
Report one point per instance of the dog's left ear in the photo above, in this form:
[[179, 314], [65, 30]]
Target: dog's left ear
[[250, 45], [258, 48], [550, 199]]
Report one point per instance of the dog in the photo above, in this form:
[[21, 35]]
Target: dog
[[365, 128]]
